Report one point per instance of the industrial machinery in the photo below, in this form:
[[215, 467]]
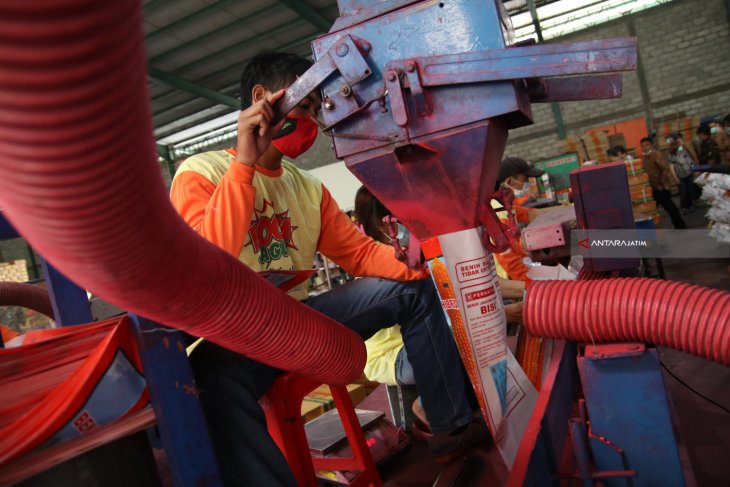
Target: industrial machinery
[[418, 97]]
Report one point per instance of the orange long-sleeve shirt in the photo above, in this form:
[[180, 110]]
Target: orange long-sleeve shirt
[[275, 219]]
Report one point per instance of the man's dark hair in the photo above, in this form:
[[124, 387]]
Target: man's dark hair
[[619, 149], [647, 139], [273, 71], [704, 129], [612, 152]]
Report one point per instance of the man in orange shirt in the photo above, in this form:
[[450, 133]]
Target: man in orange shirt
[[261, 208], [514, 172]]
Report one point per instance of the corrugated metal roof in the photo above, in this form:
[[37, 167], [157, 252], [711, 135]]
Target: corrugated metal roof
[[207, 42]]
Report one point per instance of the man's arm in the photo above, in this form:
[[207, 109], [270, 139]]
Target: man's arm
[[219, 214], [358, 254], [666, 172], [222, 214], [512, 289]]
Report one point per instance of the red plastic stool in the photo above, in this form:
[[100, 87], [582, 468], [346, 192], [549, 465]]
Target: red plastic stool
[[283, 407]]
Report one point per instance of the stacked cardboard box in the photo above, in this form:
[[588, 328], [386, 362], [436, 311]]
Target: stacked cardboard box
[[687, 126], [573, 145], [320, 400], [15, 271], [642, 200], [596, 144]]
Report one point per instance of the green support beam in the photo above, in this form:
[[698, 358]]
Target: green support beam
[[165, 153], [233, 67], [194, 88], [559, 123], [306, 12], [183, 21], [200, 41], [643, 85], [535, 19]]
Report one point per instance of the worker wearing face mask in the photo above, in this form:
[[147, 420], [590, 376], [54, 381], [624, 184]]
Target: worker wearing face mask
[[514, 173]]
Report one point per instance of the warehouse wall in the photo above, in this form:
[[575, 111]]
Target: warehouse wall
[[684, 54]]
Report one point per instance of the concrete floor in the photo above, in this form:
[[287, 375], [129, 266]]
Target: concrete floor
[[704, 428]]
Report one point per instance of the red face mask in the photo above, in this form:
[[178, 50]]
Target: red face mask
[[296, 136]]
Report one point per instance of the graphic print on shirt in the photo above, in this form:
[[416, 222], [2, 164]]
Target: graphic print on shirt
[[271, 234]]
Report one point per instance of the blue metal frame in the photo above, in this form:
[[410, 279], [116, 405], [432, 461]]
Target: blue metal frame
[[69, 301], [6, 229], [547, 457], [174, 397], [182, 427], [631, 424]]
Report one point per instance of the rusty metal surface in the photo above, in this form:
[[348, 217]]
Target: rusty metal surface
[[541, 60], [602, 87]]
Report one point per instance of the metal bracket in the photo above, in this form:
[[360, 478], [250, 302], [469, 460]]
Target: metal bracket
[[397, 98], [419, 96], [344, 56], [529, 62], [603, 351]]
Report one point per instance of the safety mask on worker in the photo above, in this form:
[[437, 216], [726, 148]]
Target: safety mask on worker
[[296, 136], [519, 193]]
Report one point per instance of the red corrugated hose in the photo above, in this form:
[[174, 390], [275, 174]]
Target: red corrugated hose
[[682, 316], [79, 179], [26, 296]]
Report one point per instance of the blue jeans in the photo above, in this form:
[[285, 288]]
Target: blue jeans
[[231, 384], [403, 369]]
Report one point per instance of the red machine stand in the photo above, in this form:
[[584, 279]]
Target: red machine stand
[[282, 405]]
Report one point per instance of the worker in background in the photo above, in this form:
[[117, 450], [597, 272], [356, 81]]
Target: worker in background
[[709, 151], [258, 206], [661, 179], [681, 160], [387, 361], [722, 139], [514, 172], [613, 155], [623, 154]]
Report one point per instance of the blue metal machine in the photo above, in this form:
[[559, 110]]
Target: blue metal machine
[[418, 98]]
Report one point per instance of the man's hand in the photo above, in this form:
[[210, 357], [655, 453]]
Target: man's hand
[[513, 313], [255, 130]]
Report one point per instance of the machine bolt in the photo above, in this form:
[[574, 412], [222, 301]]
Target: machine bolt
[[366, 47], [410, 66], [328, 104], [391, 76], [342, 50], [345, 91]]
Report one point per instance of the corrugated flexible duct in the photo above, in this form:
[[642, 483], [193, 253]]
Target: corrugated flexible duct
[[79, 180], [682, 316]]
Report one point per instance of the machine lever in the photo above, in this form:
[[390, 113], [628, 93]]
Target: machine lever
[[498, 236], [344, 56]]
